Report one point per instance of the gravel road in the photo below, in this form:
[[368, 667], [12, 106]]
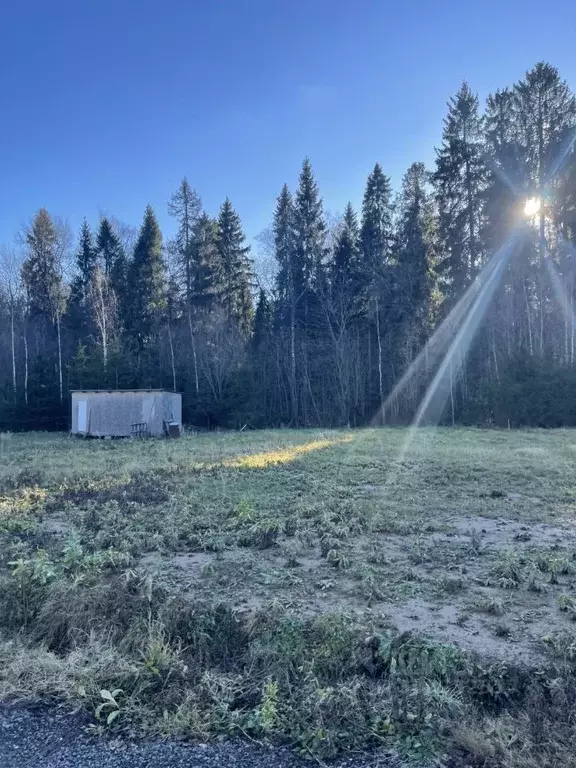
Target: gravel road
[[52, 739]]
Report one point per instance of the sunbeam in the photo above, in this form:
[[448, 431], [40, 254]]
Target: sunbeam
[[437, 391], [563, 155], [439, 342], [433, 402], [560, 292]]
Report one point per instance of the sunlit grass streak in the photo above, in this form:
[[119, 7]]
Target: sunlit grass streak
[[438, 344], [433, 402], [274, 457]]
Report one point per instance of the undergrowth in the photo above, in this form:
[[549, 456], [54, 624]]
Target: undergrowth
[[141, 660]]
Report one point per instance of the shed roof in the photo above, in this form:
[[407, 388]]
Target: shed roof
[[113, 391]]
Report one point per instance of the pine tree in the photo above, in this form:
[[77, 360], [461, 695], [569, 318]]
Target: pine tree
[[460, 180], [235, 268], [146, 280]]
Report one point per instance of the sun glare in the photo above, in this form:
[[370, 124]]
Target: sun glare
[[532, 207]]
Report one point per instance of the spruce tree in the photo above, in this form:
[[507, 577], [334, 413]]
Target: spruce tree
[[186, 207], [309, 234], [346, 281], [42, 278], [262, 321], [147, 283], [41, 272], [111, 253], [376, 224], [205, 286], [235, 268], [459, 180], [376, 235], [414, 267], [285, 254], [86, 256], [78, 318]]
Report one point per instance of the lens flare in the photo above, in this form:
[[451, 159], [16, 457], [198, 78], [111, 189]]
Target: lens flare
[[532, 207]]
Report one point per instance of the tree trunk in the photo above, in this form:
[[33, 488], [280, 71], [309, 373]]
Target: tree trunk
[[13, 345], [380, 380], [25, 369], [528, 320], [494, 357], [172, 357], [293, 393], [194, 355], [60, 382]]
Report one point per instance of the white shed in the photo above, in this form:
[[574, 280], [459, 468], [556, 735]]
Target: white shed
[[125, 412]]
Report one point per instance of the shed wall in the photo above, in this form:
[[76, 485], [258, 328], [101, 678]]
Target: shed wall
[[111, 414]]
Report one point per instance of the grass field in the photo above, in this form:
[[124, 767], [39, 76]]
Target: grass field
[[334, 590]]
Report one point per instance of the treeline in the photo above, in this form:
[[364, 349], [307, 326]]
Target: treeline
[[324, 333]]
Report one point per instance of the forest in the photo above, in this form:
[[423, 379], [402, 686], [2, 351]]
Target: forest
[[338, 308]]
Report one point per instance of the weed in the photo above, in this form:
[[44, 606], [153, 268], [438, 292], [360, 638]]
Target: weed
[[491, 605], [264, 533], [567, 603], [501, 630], [561, 644], [555, 565], [109, 706], [508, 569], [338, 559], [451, 585]]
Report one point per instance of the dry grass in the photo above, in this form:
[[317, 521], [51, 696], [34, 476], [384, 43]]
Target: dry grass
[[158, 568]]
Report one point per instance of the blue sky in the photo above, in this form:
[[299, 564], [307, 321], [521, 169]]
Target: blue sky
[[106, 105]]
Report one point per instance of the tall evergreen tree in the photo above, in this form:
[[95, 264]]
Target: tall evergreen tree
[[42, 278], [186, 207], [346, 279], [41, 272], [289, 280], [86, 255], [235, 267], [262, 321], [147, 283], [414, 256], [377, 239], [205, 285], [459, 179], [309, 234], [111, 254], [376, 224], [110, 251], [79, 313]]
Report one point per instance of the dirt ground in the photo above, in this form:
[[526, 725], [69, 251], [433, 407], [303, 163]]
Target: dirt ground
[[468, 537]]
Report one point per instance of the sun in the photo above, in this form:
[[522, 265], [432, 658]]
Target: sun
[[532, 207]]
